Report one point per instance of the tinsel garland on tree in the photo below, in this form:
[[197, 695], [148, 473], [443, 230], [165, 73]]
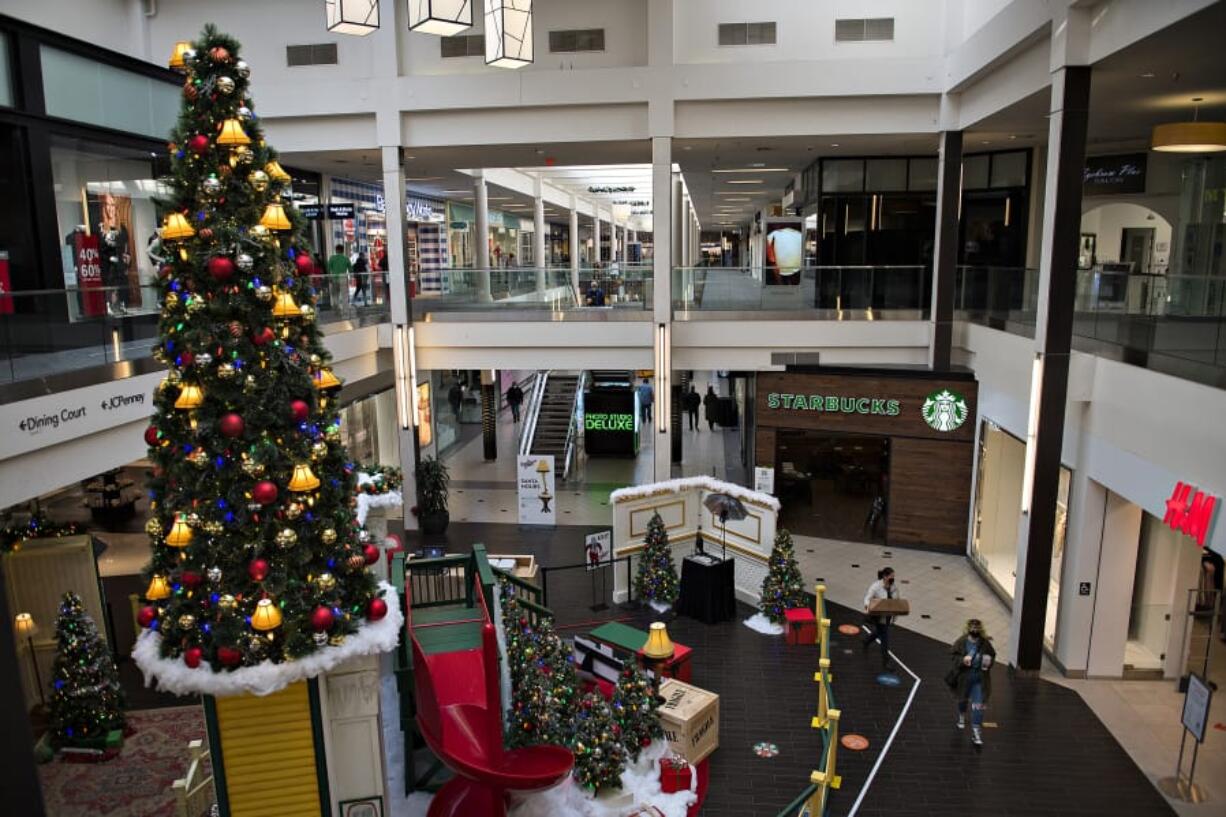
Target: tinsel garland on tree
[[600, 757], [256, 556], [656, 579], [86, 699], [783, 587], [544, 684], [634, 709]]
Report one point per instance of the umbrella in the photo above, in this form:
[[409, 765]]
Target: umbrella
[[725, 507]]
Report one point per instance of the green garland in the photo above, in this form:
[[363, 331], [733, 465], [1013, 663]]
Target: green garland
[[39, 527]]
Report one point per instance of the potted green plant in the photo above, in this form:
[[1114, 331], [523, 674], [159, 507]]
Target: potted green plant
[[432, 482]]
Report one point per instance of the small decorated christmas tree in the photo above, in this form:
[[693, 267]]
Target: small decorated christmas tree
[[634, 709], [544, 685], [783, 586], [656, 579], [600, 757], [86, 699]]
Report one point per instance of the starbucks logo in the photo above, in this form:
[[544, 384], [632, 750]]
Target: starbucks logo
[[944, 410]]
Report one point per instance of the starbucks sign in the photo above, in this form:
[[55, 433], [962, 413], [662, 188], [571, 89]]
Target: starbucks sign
[[944, 410]]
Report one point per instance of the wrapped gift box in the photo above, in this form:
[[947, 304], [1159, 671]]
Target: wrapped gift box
[[889, 607], [801, 626], [690, 717], [675, 774]]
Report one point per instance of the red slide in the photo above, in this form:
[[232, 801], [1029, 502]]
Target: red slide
[[459, 712]]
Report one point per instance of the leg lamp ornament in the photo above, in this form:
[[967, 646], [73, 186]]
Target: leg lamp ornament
[[658, 649]]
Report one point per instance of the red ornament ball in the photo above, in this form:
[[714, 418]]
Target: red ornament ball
[[146, 616], [190, 579], [371, 554], [192, 656], [376, 610], [322, 619], [220, 53], [265, 335], [229, 657], [231, 425], [257, 570], [198, 144], [304, 264], [299, 410], [265, 493], [221, 268], [165, 270], [151, 436]]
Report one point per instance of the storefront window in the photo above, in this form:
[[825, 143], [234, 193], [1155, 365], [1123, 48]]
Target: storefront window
[[368, 428], [83, 90], [104, 200], [6, 75]]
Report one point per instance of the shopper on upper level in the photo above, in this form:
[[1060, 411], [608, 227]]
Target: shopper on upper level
[[710, 404], [646, 398]]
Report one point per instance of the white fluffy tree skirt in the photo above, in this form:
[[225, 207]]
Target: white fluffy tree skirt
[[760, 623], [172, 675]]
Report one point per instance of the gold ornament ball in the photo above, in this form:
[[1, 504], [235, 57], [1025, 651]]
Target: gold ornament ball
[[252, 468], [225, 85], [258, 180], [195, 305], [337, 640], [264, 293], [193, 519], [319, 450], [171, 300], [328, 536], [225, 371], [227, 603], [187, 621], [316, 360], [198, 458], [293, 510], [356, 562], [242, 154], [173, 377], [307, 311], [153, 527], [286, 537], [325, 582]]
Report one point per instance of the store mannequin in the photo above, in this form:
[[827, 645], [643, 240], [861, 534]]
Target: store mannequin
[[114, 248]]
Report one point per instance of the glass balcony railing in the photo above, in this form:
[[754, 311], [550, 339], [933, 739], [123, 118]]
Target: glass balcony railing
[[831, 293], [1170, 323], [614, 288], [54, 331]]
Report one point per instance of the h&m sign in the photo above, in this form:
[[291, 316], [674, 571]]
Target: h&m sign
[[1190, 511]]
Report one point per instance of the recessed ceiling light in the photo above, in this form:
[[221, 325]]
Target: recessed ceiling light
[[458, 192], [1147, 75], [410, 157], [985, 141], [758, 168], [1012, 136], [834, 144], [425, 179], [686, 147], [744, 181]]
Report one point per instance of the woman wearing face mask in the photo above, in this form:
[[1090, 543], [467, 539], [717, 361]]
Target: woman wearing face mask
[[883, 588], [973, 656]]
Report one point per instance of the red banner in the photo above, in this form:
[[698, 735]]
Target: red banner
[[6, 286], [89, 274]]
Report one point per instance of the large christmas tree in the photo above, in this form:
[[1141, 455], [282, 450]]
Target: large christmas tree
[[656, 579], [634, 708], [783, 587], [544, 684], [256, 555], [86, 699]]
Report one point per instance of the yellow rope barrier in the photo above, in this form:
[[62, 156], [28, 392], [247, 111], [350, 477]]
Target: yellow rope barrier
[[827, 719]]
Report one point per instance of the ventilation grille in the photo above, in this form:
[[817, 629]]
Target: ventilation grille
[[313, 54], [747, 33], [463, 45], [859, 30], [583, 39]]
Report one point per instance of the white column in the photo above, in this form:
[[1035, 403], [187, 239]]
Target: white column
[[398, 294], [574, 248], [538, 238], [481, 241], [663, 186], [595, 236], [675, 225]]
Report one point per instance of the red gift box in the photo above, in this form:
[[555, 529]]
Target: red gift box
[[801, 625], [675, 775]]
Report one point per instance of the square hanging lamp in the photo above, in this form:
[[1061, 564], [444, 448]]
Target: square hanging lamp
[[508, 33], [356, 17], [441, 17]]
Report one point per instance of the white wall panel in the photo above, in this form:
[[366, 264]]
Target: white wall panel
[[579, 123]]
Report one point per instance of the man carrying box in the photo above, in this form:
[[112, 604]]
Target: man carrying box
[[881, 604]]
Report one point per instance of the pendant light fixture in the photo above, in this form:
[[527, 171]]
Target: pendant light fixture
[[356, 17], [508, 33], [1190, 137], [441, 17]]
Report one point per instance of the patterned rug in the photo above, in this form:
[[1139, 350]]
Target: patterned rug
[[135, 784]]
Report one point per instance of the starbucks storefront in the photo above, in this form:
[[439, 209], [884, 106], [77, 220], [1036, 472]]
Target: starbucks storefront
[[882, 458]]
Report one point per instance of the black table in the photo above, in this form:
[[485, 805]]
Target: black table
[[707, 590]]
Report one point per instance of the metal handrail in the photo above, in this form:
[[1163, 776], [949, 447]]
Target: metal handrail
[[534, 413]]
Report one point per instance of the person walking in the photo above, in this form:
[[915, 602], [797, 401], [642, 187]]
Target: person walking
[[883, 588], [969, 677], [646, 398], [710, 404], [515, 398], [455, 398], [339, 268], [361, 271], [692, 403]]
